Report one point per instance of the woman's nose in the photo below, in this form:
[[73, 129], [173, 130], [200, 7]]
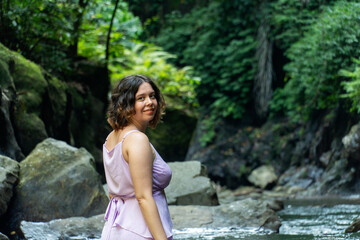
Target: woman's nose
[[148, 100]]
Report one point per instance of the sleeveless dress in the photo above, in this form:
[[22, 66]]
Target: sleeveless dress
[[124, 220]]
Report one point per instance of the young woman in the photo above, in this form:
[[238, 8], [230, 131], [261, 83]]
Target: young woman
[[135, 173]]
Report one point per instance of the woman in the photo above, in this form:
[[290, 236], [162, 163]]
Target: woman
[[135, 173]]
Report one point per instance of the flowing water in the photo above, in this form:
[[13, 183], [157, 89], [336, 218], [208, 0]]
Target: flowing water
[[315, 219]]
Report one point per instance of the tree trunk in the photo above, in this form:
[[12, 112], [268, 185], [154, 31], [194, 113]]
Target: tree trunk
[[73, 48], [1, 14], [109, 33]]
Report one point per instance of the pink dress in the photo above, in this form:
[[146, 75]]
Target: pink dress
[[124, 220]]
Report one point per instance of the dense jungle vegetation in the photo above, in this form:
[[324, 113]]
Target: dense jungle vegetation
[[241, 60]]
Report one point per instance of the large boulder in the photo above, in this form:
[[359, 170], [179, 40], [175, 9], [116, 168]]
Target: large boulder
[[190, 185], [63, 179], [243, 213], [263, 176], [32, 89], [9, 175]]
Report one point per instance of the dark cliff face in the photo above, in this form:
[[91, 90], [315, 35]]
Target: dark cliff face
[[315, 146]]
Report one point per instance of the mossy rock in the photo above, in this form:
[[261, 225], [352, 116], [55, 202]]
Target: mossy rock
[[30, 131], [54, 108], [28, 79], [5, 77]]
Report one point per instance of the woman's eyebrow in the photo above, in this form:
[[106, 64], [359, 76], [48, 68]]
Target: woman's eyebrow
[[142, 94]]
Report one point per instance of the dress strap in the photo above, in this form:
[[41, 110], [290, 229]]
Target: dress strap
[[126, 134]]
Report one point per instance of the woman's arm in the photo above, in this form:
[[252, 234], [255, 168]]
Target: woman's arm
[[140, 158]]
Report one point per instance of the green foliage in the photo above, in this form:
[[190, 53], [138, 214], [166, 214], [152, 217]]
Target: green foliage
[[130, 56], [219, 42], [41, 31], [352, 87], [315, 60], [125, 30], [48, 31], [177, 85], [291, 19]]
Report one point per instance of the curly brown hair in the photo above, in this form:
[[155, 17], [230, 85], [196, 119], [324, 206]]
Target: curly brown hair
[[122, 101]]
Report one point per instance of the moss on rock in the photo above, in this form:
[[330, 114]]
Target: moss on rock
[[31, 130]]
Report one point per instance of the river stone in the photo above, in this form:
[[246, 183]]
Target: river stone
[[190, 185], [263, 176], [63, 179], [82, 228], [354, 227], [9, 175], [3, 237], [191, 216], [243, 213]]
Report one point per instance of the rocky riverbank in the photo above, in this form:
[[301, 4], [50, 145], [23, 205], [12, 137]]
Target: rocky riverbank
[[59, 194], [58, 186]]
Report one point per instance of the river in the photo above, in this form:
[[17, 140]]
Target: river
[[306, 219]]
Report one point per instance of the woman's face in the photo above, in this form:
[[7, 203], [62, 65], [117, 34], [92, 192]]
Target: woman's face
[[145, 104]]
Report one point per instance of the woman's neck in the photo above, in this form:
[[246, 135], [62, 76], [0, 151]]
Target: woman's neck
[[135, 126]]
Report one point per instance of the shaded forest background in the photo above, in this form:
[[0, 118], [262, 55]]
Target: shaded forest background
[[218, 63]]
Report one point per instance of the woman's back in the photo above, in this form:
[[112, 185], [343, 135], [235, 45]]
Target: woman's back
[[124, 210]]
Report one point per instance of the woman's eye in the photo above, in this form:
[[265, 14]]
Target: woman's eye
[[141, 98], [152, 96]]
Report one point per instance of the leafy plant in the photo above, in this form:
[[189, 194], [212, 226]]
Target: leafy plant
[[177, 85], [125, 30], [291, 19], [352, 87]]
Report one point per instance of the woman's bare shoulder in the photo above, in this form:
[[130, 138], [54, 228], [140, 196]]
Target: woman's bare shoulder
[[136, 139]]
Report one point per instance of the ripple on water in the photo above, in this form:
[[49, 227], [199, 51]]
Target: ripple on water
[[319, 222]]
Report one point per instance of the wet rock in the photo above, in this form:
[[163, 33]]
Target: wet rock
[[243, 213], [300, 177], [336, 178], [3, 237], [352, 144], [8, 143], [9, 174], [263, 176], [191, 216], [63, 179], [82, 228], [190, 185], [354, 227]]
